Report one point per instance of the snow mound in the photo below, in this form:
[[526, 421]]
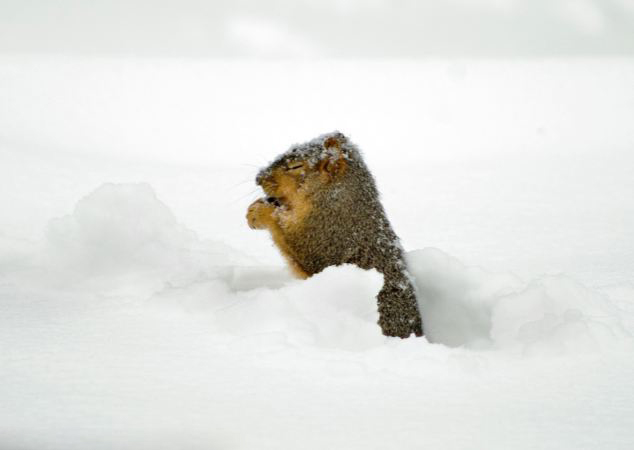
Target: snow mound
[[334, 309], [468, 306], [119, 227], [124, 237], [123, 229]]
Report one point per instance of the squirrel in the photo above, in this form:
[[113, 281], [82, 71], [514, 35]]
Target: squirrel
[[322, 208]]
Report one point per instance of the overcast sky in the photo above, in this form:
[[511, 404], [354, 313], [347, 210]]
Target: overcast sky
[[319, 28]]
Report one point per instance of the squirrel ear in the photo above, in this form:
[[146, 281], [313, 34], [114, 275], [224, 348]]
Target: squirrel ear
[[333, 165], [334, 141]]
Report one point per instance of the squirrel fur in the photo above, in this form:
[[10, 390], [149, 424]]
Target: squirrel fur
[[322, 208]]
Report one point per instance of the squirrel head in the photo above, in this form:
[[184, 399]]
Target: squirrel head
[[306, 168]]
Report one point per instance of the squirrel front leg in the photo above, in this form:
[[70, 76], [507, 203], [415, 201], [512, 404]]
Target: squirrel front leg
[[260, 216]]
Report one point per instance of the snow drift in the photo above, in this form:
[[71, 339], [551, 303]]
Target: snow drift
[[471, 307], [123, 319], [124, 230], [122, 236]]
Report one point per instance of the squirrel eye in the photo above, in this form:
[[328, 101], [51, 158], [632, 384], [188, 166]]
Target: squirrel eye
[[295, 167]]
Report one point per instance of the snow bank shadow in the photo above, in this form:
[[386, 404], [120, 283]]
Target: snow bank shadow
[[122, 237], [468, 306]]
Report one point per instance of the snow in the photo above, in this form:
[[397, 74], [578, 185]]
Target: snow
[[137, 310], [470, 307]]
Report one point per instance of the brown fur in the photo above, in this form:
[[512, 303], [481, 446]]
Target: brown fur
[[322, 208]]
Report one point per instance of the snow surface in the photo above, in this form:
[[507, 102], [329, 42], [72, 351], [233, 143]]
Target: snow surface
[[137, 310]]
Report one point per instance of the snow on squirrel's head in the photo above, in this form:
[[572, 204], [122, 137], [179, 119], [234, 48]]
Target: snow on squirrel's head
[[323, 160], [322, 152]]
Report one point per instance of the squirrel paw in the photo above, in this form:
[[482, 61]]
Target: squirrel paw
[[259, 214]]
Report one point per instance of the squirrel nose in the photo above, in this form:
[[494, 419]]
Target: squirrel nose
[[263, 177]]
